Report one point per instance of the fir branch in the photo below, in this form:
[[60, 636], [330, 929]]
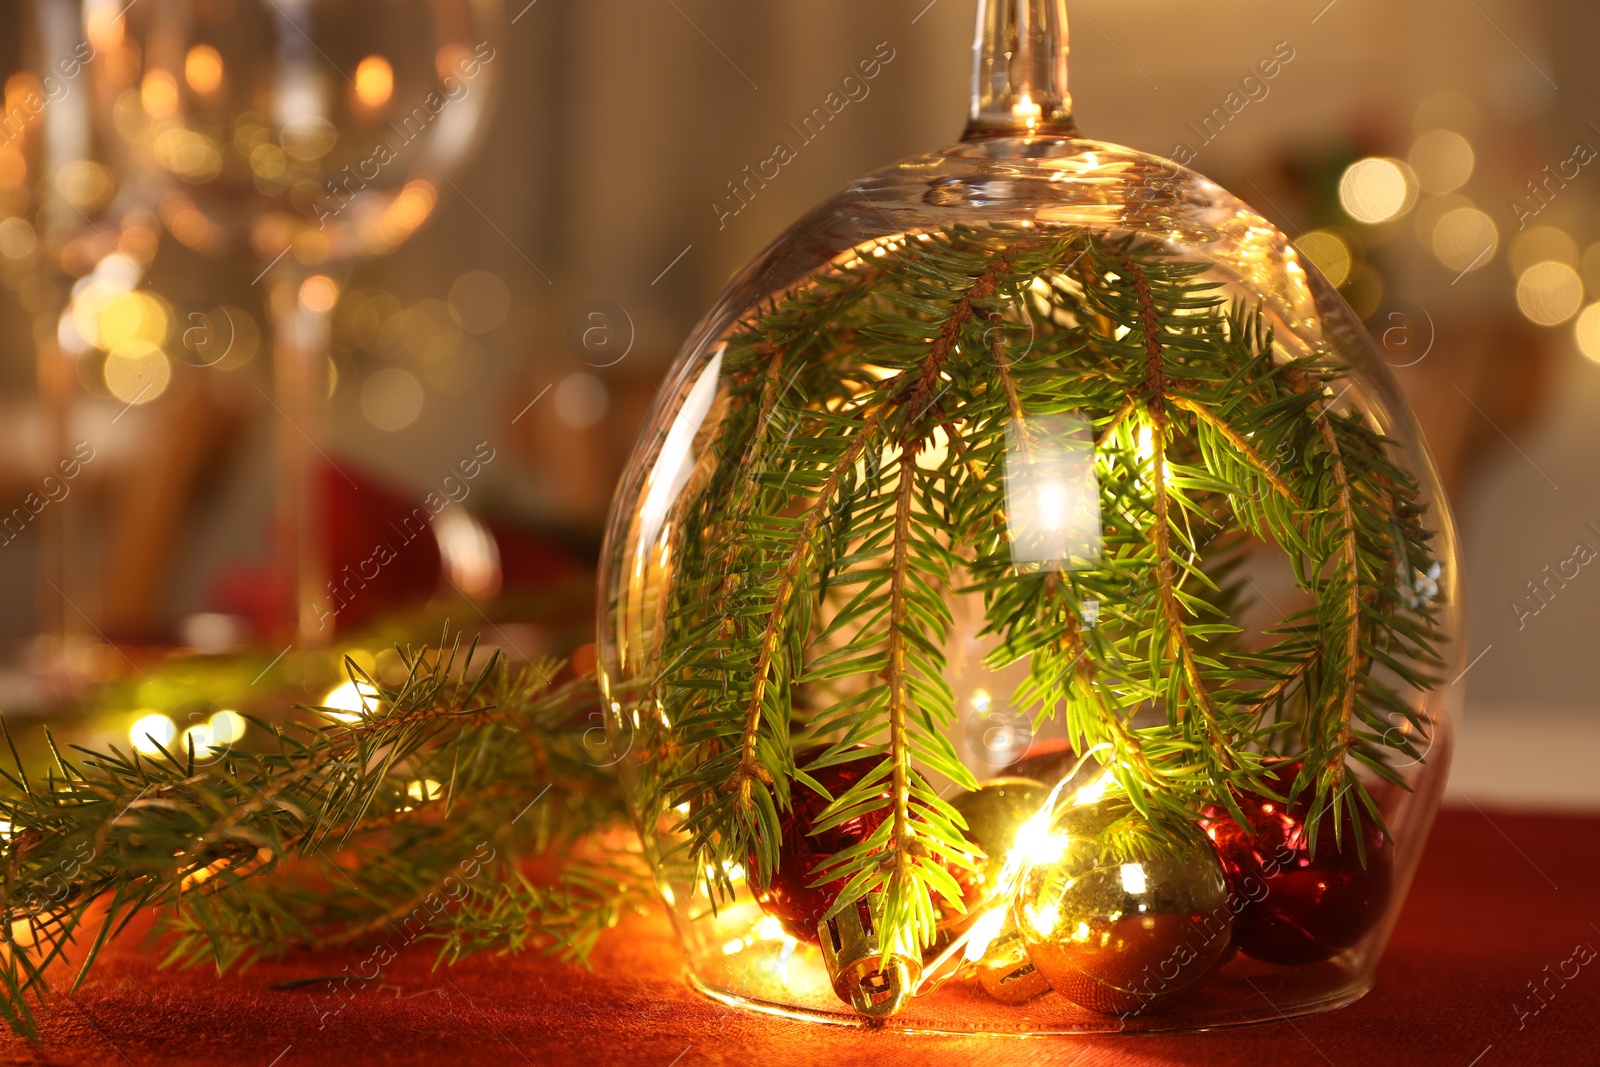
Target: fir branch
[[325, 836], [876, 475]]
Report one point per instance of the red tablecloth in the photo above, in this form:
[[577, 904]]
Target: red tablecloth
[[1499, 898]]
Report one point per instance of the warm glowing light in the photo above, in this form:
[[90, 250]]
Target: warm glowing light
[[1026, 112], [1550, 293], [1588, 330], [1133, 879], [424, 789], [151, 732], [1376, 190], [1590, 269], [159, 93], [13, 172], [1146, 449], [770, 929], [984, 931], [227, 726], [85, 184], [1443, 161], [202, 69], [199, 740], [1043, 920], [374, 81], [1538, 244], [414, 204], [1329, 253], [1037, 840], [733, 947], [1094, 792], [105, 29], [137, 372], [469, 553], [319, 293], [1465, 239], [1052, 493], [980, 700], [128, 317], [351, 701], [936, 452]]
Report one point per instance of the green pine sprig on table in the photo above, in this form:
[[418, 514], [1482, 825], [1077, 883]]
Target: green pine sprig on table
[[414, 821], [854, 486]]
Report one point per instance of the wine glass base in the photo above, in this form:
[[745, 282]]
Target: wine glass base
[[1050, 1016]]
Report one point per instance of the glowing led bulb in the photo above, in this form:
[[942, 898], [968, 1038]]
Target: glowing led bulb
[[151, 732]]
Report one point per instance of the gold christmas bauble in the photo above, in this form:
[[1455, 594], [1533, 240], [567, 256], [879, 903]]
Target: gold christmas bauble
[[1006, 971], [995, 811], [1122, 916]]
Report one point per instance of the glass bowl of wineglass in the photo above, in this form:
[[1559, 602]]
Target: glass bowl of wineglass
[[72, 228], [297, 136]]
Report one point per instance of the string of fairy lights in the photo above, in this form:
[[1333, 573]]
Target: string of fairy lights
[[1554, 281], [388, 354]]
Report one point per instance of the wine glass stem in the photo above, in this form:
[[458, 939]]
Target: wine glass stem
[[55, 369], [1019, 71], [299, 378]]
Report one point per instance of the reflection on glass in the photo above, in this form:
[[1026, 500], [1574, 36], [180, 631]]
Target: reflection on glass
[[676, 460], [649, 542], [1052, 495]]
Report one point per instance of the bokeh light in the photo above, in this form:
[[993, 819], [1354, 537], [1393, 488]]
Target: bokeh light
[[85, 184], [1588, 331], [374, 81], [151, 731], [424, 789], [202, 69], [1539, 244], [319, 293], [137, 372], [1375, 190], [479, 301], [1589, 267], [227, 726], [213, 737], [1465, 239], [581, 400], [1550, 293], [135, 316], [348, 702], [159, 93], [200, 740], [17, 239], [1443, 161], [1329, 253], [391, 399]]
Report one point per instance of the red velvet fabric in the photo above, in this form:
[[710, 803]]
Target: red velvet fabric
[[1499, 899]]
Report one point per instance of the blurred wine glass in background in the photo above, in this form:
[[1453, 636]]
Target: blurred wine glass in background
[[73, 231], [297, 136]]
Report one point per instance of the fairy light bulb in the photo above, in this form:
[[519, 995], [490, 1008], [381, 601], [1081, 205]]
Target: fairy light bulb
[[1026, 112]]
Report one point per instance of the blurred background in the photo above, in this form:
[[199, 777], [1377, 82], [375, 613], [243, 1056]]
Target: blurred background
[[491, 329]]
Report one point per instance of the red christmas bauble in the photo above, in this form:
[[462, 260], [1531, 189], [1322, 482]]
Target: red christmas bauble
[[788, 897], [1046, 761], [1291, 907]]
